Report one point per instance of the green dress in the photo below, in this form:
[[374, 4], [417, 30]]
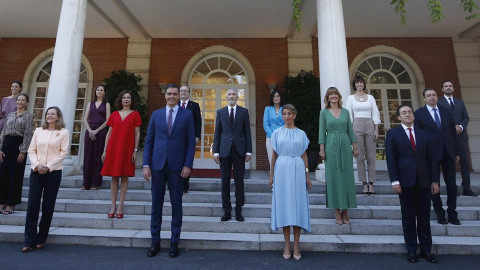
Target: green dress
[[337, 135]]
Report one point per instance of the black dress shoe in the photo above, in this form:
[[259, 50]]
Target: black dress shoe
[[239, 217], [412, 257], [153, 250], [173, 250], [454, 221], [226, 217], [469, 192], [442, 221], [428, 257]]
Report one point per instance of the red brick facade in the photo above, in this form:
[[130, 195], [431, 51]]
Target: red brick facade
[[268, 57]]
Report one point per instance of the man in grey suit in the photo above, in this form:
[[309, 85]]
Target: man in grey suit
[[232, 145], [461, 120]]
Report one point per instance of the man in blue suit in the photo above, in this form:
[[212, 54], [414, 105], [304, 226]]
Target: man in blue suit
[[414, 175], [167, 157], [232, 146], [438, 122], [461, 118]]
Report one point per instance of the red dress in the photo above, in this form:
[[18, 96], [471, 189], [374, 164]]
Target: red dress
[[118, 161]]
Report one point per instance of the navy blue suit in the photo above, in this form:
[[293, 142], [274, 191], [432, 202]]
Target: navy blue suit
[[415, 170], [444, 152], [166, 156]]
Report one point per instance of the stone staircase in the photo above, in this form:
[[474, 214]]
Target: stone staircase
[[81, 218]]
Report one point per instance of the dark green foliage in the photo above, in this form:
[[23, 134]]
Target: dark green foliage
[[122, 80], [303, 92]]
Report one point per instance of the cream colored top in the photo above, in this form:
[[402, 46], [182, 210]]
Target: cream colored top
[[48, 148], [366, 109]]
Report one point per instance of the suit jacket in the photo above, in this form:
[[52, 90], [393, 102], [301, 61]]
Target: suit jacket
[[404, 163], [440, 137], [460, 114], [178, 149], [197, 117], [226, 134]]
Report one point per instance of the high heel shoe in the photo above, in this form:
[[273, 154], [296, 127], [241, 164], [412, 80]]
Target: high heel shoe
[[9, 212], [338, 218], [287, 256], [297, 257], [119, 216], [345, 218], [371, 193], [111, 215]]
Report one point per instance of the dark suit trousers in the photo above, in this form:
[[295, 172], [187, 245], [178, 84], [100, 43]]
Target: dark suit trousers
[[48, 184], [11, 172], [186, 183], [175, 182], [448, 168], [415, 204], [238, 163], [462, 150]]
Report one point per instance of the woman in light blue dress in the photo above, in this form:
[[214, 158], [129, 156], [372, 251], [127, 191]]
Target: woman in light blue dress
[[290, 181], [272, 119]]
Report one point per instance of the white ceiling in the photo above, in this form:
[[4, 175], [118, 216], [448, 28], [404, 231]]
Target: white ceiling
[[138, 19]]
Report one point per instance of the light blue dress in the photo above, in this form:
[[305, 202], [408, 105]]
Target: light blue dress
[[290, 206]]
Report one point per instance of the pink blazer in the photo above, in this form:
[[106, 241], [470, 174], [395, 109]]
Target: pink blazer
[[48, 148]]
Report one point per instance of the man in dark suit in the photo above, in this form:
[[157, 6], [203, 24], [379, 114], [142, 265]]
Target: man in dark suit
[[414, 175], [438, 122], [167, 157], [232, 145], [197, 120], [461, 119]]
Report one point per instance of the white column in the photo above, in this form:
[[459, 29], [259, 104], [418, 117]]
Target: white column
[[332, 48], [63, 85]]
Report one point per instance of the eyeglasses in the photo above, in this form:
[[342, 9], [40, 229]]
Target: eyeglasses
[[184, 91]]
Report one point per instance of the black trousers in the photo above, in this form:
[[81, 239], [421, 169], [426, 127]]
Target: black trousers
[[48, 185], [11, 172], [238, 163], [415, 204], [448, 168], [186, 183]]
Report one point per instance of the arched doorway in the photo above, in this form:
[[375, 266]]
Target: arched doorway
[[39, 76], [391, 82]]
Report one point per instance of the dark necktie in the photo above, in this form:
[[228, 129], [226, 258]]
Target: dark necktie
[[169, 123], [231, 116], [437, 119], [451, 104], [183, 104], [412, 140]]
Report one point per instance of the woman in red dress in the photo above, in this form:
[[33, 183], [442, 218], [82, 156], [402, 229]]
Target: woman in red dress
[[120, 151]]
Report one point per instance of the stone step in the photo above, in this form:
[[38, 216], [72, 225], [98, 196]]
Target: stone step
[[249, 210], [250, 197], [245, 241], [251, 185], [251, 225]]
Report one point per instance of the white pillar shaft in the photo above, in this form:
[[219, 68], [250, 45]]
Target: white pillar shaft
[[332, 48], [67, 56]]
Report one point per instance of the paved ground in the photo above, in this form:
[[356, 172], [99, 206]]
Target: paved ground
[[91, 258]]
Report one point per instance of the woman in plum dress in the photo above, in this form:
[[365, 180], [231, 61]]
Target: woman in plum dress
[[9, 104], [95, 121], [290, 181], [120, 151]]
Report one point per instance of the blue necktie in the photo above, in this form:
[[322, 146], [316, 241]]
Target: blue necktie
[[437, 119]]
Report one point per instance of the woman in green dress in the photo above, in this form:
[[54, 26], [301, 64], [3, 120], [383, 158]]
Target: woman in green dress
[[336, 139]]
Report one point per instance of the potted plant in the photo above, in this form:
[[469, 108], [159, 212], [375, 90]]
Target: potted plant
[[303, 92]]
